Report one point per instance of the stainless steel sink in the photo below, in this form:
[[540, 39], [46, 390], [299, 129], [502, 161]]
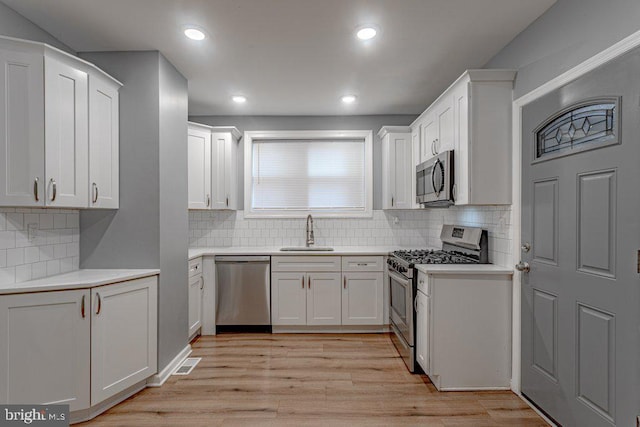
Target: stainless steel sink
[[307, 249]]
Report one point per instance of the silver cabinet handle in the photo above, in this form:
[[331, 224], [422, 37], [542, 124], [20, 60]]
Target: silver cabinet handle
[[454, 192], [432, 150], [344, 282], [302, 282], [201, 283], [95, 193], [208, 200], [99, 304], [391, 201], [309, 282], [54, 191], [415, 304], [435, 145], [82, 307], [227, 201], [523, 266], [35, 189]]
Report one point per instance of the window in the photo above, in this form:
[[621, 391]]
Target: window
[[294, 173]]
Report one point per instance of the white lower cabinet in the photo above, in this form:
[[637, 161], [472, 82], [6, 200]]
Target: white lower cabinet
[[288, 298], [196, 289], [44, 348], [362, 298], [77, 347], [124, 327], [463, 330], [326, 290], [323, 299]]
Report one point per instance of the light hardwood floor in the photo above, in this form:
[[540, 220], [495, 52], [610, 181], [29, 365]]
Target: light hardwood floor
[[309, 380]]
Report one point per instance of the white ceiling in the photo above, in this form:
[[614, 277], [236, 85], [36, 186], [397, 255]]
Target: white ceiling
[[297, 57]]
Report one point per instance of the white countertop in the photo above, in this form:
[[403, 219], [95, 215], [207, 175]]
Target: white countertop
[[337, 251], [463, 269], [79, 279]]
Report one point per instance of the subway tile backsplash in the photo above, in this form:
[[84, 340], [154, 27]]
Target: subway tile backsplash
[[411, 228], [36, 243]]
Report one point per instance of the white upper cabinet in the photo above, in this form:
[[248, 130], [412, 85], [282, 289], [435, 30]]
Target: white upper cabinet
[[397, 167], [21, 128], [65, 134], [104, 129], [199, 167], [473, 118], [482, 106], [48, 101], [213, 158]]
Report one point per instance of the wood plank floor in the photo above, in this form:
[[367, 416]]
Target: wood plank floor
[[309, 380]]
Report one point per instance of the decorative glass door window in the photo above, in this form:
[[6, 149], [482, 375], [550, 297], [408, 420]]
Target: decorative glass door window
[[584, 126]]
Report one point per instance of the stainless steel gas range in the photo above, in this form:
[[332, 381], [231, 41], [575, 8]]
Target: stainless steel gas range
[[460, 245]]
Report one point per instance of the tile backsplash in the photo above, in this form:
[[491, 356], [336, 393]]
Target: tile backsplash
[[411, 228], [36, 243]]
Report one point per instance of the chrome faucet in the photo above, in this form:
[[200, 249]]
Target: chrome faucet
[[310, 240]]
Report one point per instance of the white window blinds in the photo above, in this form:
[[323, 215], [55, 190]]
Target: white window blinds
[[308, 175]]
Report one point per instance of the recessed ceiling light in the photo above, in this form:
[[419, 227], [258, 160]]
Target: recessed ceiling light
[[239, 99], [194, 33], [366, 33], [348, 99]]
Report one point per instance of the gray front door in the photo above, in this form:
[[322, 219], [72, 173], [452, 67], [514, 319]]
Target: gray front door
[[581, 218]]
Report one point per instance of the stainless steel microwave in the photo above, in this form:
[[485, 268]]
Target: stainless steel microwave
[[434, 181]]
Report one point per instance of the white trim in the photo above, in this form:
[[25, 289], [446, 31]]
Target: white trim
[[366, 135], [159, 379], [618, 49]]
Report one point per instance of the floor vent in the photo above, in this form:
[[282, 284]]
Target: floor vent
[[187, 366]]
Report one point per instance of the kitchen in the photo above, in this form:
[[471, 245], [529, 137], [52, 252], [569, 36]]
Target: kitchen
[[153, 230]]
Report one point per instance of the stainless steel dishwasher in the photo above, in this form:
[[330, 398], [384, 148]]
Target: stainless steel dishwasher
[[243, 293]]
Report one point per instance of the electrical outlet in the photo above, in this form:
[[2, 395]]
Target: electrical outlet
[[32, 231]]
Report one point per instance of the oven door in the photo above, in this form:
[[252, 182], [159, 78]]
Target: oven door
[[401, 305]]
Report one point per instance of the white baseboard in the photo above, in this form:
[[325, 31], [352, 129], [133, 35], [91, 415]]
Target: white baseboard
[[92, 412], [160, 378]]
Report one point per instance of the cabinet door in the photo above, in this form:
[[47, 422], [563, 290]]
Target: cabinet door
[[362, 298], [199, 168], [323, 299], [124, 327], [44, 348], [220, 169], [288, 299], [462, 186], [66, 135], [196, 286], [231, 172], [422, 331], [104, 157], [444, 116], [22, 124], [428, 140], [401, 171]]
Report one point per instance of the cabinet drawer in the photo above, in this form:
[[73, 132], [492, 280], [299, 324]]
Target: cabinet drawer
[[305, 263], [195, 267], [362, 263], [423, 283]]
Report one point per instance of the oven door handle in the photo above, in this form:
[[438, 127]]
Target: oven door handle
[[405, 282]]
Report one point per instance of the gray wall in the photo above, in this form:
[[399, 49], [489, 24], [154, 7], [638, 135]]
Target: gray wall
[[570, 32], [13, 24], [150, 228], [374, 123], [174, 215]]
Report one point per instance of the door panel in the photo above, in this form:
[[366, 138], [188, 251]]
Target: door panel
[[324, 298], [288, 298], [199, 169], [580, 300], [597, 223]]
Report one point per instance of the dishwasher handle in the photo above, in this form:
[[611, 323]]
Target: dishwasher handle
[[242, 258]]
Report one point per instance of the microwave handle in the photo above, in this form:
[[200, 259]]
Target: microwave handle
[[433, 177]]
